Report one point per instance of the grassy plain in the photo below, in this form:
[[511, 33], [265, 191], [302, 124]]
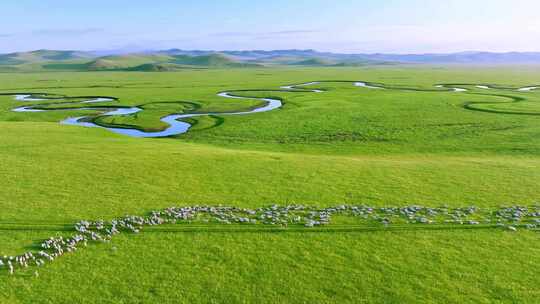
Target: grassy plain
[[346, 145]]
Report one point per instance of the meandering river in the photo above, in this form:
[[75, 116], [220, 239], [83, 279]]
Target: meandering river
[[175, 125]]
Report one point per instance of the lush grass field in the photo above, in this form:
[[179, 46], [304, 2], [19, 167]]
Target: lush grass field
[[346, 145]]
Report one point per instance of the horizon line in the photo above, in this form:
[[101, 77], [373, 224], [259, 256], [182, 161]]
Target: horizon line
[[122, 51]]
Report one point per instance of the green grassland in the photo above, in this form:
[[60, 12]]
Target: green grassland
[[409, 144]]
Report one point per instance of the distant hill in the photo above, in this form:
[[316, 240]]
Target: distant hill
[[255, 54], [321, 62], [159, 67], [175, 59], [211, 60], [203, 60], [314, 62], [43, 60], [104, 64], [119, 62], [41, 56], [312, 56], [461, 58]]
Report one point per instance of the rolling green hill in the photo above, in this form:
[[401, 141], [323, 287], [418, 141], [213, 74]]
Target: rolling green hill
[[322, 62], [52, 60], [314, 62], [212, 60], [103, 64], [44, 60], [125, 61], [158, 67], [161, 60], [41, 56]]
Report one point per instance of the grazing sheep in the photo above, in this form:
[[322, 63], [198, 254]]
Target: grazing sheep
[[297, 215]]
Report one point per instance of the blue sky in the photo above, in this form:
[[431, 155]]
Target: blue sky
[[353, 26]]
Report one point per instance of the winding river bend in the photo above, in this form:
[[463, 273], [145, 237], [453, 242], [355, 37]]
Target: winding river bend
[[175, 125]]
